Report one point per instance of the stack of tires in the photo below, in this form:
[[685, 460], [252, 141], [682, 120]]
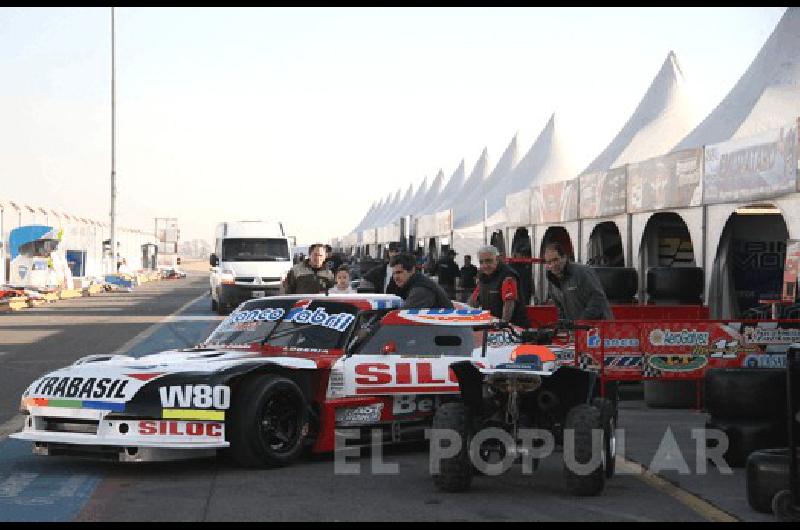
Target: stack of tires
[[749, 406], [667, 286]]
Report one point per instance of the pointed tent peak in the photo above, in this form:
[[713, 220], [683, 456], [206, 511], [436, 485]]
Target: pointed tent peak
[[440, 174], [763, 97], [672, 58], [661, 119]]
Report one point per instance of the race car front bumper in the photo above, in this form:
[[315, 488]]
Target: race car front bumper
[[55, 430]]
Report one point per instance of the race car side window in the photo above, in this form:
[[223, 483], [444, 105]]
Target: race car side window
[[366, 325]]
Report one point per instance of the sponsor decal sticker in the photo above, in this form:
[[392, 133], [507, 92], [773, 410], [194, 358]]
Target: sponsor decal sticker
[[81, 387], [181, 428], [677, 363], [195, 396], [458, 317], [242, 320], [755, 335], [765, 361], [593, 340], [685, 337]]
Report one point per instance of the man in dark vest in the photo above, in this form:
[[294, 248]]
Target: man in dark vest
[[498, 289], [417, 290], [310, 276]]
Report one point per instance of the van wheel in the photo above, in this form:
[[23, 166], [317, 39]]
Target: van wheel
[[213, 304]]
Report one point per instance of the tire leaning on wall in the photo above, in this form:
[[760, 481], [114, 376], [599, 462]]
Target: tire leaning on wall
[[619, 283], [680, 284], [746, 393], [748, 436]]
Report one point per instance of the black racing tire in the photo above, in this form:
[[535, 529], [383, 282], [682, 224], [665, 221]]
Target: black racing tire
[[680, 284], [784, 508], [268, 422], [608, 418], [746, 393], [767, 474], [582, 420], [676, 394], [619, 283], [455, 473], [747, 436]]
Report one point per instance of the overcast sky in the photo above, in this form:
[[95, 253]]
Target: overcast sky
[[308, 115]]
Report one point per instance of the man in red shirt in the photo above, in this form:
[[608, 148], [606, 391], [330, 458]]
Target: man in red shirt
[[498, 289]]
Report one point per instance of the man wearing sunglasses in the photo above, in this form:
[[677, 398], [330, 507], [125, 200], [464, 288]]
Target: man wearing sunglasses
[[498, 290], [575, 288]]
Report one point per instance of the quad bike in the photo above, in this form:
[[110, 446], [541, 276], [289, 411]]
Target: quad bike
[[500, 408]]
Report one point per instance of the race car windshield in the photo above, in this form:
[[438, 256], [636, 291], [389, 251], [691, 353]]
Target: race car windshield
[[255, 250], [424, 340], [320, 325]]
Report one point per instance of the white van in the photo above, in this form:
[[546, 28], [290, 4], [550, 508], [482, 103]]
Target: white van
[[250, 260]]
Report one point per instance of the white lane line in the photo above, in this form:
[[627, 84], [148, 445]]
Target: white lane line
[[13, 425], [14, 484], [144, 335], [71, 487], [193, 318]]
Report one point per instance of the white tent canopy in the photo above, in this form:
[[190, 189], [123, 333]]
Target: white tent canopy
[[492, 189], [432, 196], [416, 202], [451, 190], [548, 160], [664, 116], [475, 180], [766, 94]]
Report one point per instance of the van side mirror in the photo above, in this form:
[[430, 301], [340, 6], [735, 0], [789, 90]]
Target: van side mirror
[[213, 261]]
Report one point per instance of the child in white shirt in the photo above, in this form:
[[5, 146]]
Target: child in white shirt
[[342, 282]]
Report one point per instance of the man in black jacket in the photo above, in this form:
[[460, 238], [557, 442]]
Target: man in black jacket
[[310, 276], [381, 276], [447, 271], [417, 290], [575, 288], [498, 289]]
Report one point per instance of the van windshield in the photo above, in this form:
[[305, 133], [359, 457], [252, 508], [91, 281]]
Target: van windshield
[[276, 249]]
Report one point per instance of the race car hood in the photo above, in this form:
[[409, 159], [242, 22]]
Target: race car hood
[[104, 381]]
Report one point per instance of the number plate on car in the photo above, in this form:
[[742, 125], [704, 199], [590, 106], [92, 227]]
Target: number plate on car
[[257, 294]]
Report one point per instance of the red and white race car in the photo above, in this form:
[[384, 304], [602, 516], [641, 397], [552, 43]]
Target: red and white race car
[[277, 375]]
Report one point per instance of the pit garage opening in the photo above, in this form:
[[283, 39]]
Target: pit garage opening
[[498, 241], [606, 255], [749, 263], [521, 248], [604, 248], [667, 260], [553, 234]]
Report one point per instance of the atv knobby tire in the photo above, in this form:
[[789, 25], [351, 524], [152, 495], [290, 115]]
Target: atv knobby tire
[[455, 473], [608, 419], [268, 422], [582, 420]]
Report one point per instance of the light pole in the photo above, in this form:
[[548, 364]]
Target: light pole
[[113, 154]]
